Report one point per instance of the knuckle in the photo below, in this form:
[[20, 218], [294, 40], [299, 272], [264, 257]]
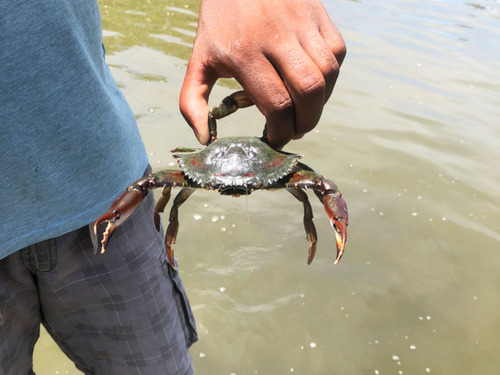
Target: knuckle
[[279, 103], [340, 52], [327, 63], [312, 86], [283, 103]]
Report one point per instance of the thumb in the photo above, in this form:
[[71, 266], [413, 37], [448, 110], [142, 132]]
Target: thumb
[[193, 101]]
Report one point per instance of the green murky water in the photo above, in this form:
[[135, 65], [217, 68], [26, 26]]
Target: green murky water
[[411, 137]]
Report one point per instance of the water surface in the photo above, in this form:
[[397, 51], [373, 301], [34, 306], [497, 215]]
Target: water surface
[[410, 136]]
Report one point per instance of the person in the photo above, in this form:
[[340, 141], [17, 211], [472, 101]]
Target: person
[[69, 145]]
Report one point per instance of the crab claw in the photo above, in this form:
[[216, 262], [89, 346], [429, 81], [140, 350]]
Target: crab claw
[[336, 209], [111, 218], [120, 210]]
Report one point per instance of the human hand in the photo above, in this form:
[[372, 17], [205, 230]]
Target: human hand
[[286, 55]]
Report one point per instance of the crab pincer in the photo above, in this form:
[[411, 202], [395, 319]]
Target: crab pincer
[[120, 210], [336, 210]]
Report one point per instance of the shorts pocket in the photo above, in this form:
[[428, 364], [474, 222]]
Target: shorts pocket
[[181, 299]]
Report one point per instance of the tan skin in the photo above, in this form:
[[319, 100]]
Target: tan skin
[[286, 55]]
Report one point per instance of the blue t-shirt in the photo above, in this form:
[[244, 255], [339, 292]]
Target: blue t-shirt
[[69, 143]]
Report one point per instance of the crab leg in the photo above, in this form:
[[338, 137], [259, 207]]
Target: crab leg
[[168, 179], [127, 202], [161, 204], [308, 222], [173, 226], [228, 105], [331, 197]]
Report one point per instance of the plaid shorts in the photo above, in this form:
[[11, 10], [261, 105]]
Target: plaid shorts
[[122, 312]]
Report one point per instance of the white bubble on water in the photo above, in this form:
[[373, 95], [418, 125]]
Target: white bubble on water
[[197, 217], [214, 219], [395, 357], [413, 347], [312, 344]]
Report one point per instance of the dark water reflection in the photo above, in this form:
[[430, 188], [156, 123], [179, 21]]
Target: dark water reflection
[[167, 26], [411, 137]]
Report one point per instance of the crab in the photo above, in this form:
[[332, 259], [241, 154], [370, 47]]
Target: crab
[[232, 166]]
